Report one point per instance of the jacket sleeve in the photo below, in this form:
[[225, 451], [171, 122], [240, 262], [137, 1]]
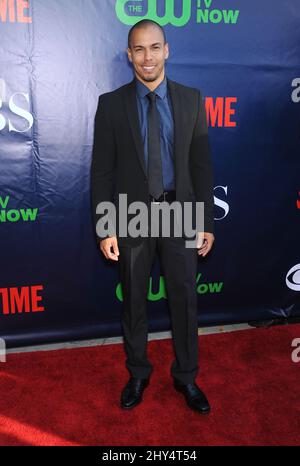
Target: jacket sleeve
[[201, 166], [103, 160]]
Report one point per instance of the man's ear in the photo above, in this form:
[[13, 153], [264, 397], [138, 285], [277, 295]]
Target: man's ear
[[129, 54], [166, 51]]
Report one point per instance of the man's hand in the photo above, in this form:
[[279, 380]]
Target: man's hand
[[107, 244], [204, 243]]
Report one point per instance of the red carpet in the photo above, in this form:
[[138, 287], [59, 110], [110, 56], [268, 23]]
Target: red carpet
[[71, 397]]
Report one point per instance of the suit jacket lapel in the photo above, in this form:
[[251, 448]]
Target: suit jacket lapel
[[179, 122], [133, 117]]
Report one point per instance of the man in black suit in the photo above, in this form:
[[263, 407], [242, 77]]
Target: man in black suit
[[151, 143]]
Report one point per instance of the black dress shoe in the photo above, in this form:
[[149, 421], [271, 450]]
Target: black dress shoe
[[194, 397], [132, 392]]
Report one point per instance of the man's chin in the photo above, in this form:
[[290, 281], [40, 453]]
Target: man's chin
[[149, 78]]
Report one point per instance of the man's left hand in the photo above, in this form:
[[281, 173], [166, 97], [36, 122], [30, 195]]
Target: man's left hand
[[204, 243]]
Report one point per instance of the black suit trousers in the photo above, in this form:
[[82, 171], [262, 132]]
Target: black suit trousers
[[179, 268]]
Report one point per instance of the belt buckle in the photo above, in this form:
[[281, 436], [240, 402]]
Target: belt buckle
[[153, 201], [164, 194]]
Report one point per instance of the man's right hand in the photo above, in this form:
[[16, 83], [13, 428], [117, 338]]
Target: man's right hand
[[108, 244]]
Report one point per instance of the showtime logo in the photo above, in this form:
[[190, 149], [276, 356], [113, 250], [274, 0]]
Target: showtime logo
[[130, 12], [14, 105], [14, 11], [17, 300], [219, 112]]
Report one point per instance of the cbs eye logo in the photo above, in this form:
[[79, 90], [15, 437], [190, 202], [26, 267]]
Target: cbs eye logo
[[292, 278]]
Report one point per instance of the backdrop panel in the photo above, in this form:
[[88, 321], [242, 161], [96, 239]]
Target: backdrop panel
[[56, 58]]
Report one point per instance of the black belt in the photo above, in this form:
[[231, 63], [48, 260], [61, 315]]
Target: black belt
[[167, 196]]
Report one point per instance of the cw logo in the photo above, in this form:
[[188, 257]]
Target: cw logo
[[130, 12], [160, 293], [169, 16]]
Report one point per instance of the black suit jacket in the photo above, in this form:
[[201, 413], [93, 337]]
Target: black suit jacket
[[118, 153]]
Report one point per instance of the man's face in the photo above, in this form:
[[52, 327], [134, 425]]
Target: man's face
[[148, 54]]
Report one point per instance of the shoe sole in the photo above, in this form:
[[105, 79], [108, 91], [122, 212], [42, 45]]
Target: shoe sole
[[204, 413], [132, 406]]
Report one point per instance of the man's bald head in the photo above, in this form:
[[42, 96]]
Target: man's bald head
[[144, 23]]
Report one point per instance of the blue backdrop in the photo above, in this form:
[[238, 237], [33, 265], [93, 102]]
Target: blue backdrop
[[56, 58]]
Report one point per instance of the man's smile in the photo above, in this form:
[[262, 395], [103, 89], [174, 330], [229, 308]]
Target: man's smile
[[148, 69]]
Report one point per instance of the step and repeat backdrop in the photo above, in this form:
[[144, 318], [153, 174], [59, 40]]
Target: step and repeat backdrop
[[55, 59]]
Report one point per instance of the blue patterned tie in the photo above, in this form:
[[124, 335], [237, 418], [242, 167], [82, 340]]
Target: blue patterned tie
[[155, 178]]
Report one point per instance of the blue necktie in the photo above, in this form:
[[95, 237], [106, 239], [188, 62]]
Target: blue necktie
[[155, 178]]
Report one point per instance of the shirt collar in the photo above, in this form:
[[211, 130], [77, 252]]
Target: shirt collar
[[143, 90]]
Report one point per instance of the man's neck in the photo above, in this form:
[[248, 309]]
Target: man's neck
[[154, 84]]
